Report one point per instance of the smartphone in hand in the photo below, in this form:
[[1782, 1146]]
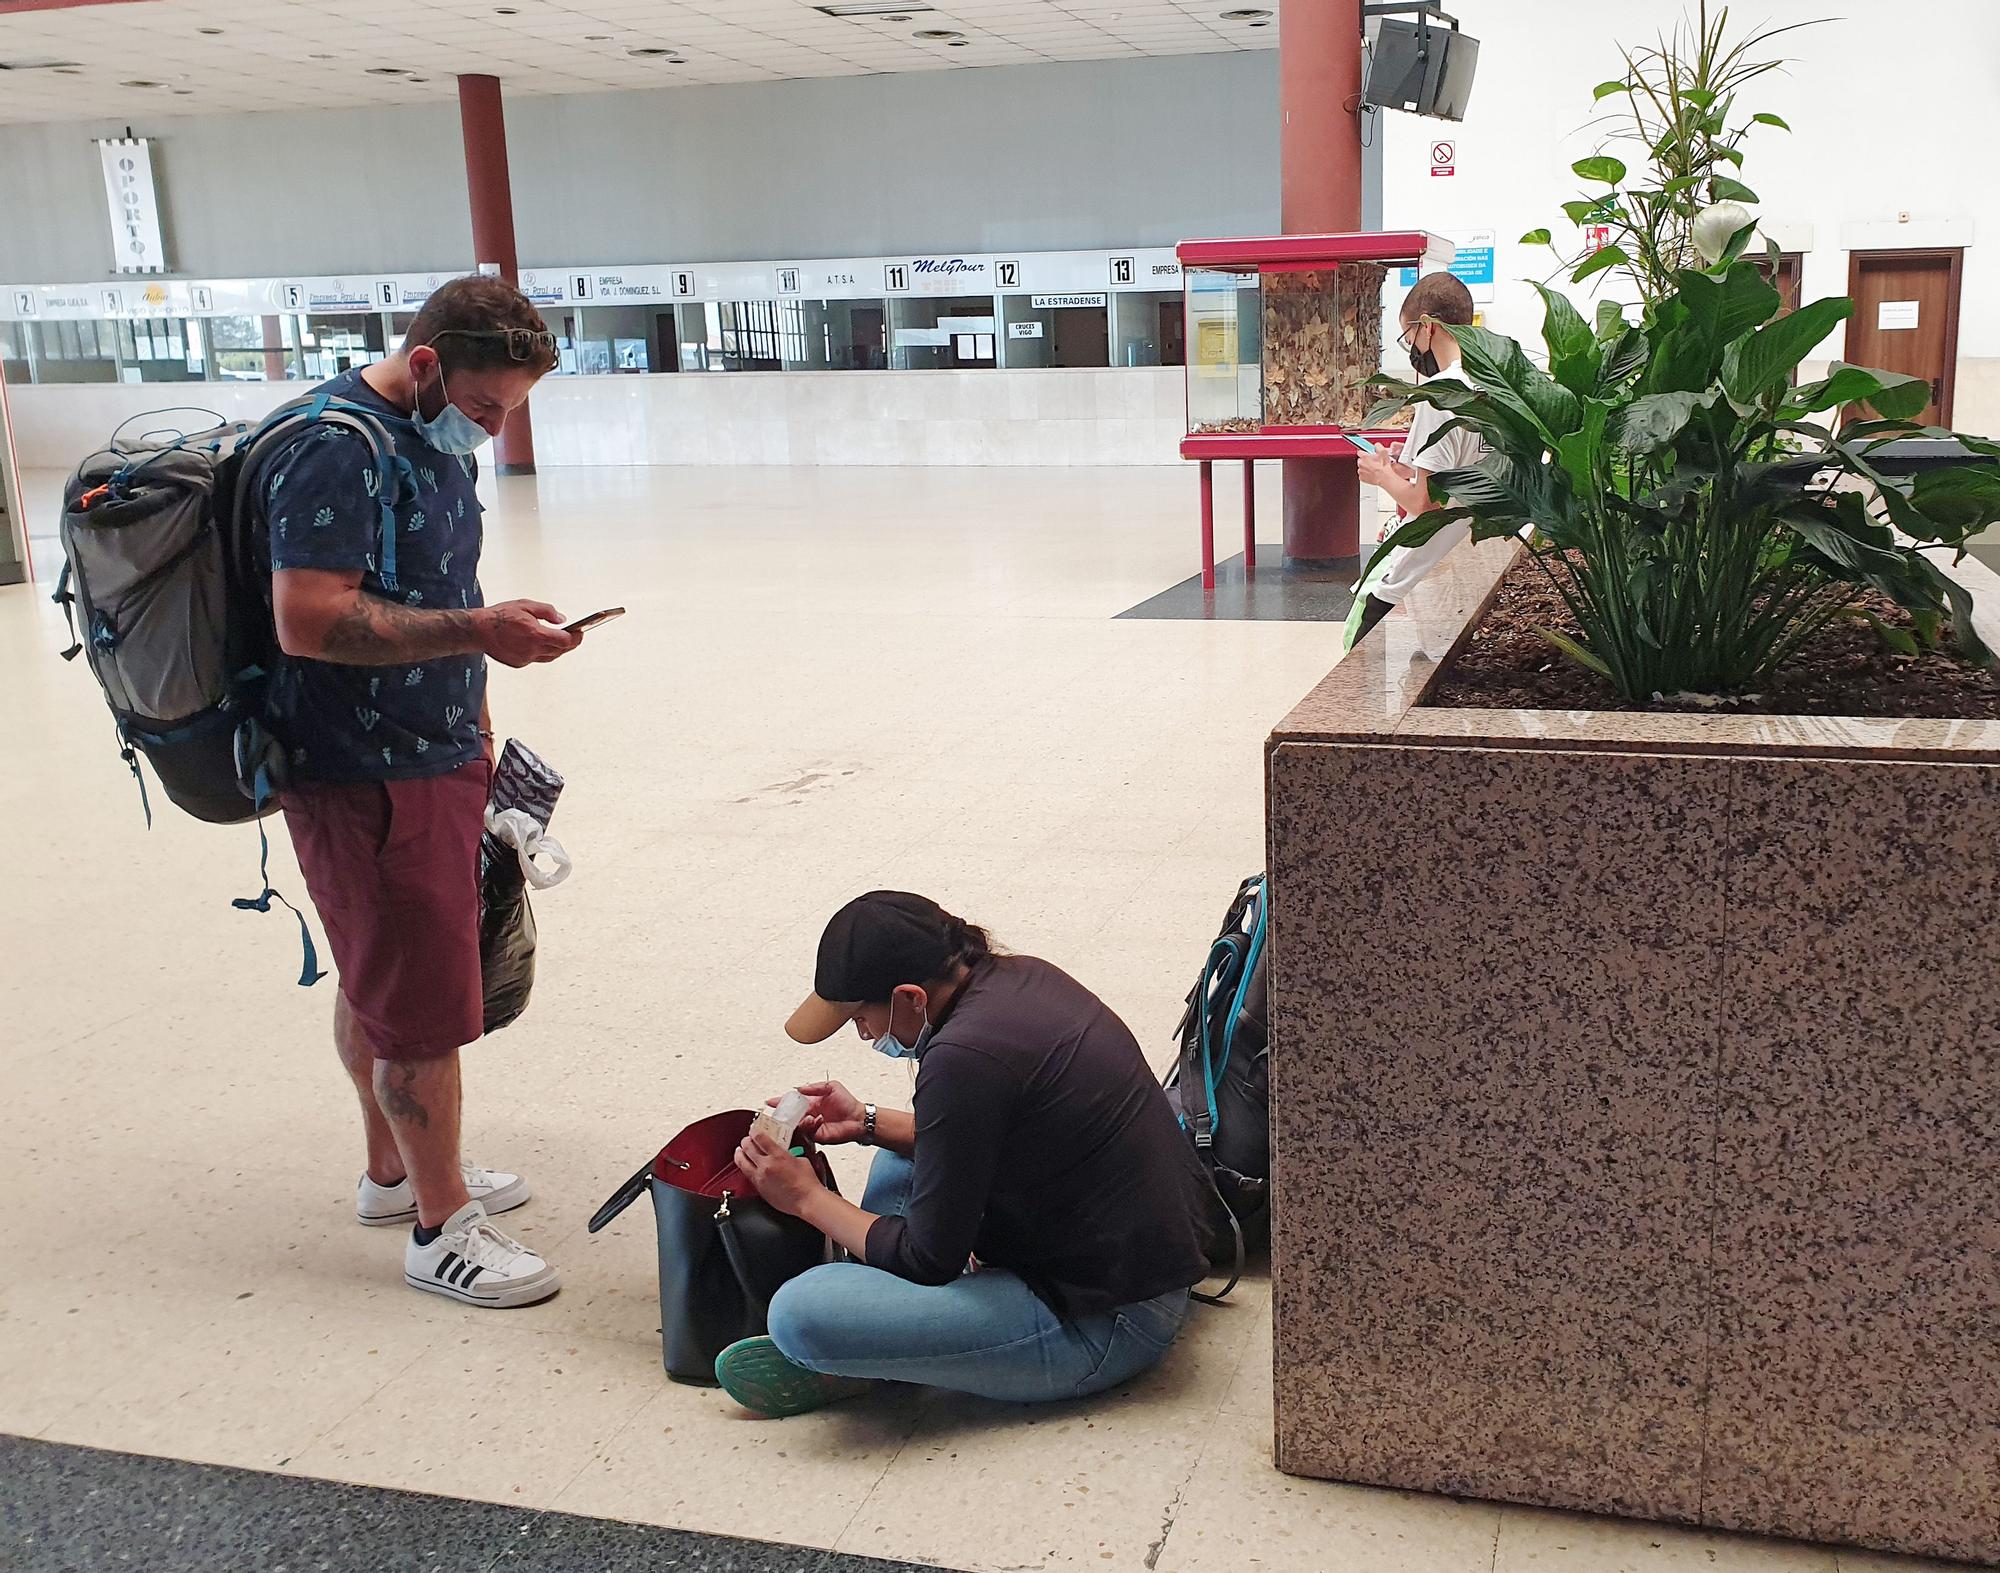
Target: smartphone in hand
[[583, 625], [1361, 442]]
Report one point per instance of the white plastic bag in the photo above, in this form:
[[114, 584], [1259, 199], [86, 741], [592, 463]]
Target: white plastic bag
[[518, 829]]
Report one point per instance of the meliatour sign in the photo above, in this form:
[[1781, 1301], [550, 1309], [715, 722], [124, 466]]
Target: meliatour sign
[[946, 266]]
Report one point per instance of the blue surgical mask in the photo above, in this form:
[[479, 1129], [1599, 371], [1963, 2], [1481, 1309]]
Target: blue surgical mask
[[894, 1047], [453, 431]]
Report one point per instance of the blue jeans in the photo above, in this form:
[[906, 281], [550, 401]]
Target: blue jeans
[[985, 1333]]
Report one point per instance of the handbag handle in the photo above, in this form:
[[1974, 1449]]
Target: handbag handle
[[622, 1198], [732, 1247]]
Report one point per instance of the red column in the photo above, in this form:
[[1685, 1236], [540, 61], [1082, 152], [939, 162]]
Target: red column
[[275, 353], [492, 196], [1319, 96]]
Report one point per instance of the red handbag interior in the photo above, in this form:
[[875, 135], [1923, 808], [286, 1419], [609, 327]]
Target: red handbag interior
[[702, 1158]]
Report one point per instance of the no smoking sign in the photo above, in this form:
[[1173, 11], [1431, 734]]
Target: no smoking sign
[[1444, 158]]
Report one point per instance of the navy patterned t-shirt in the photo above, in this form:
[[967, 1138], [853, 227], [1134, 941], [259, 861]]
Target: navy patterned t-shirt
[[319, 494]]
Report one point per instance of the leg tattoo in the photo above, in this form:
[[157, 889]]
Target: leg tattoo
[[399, 1098]]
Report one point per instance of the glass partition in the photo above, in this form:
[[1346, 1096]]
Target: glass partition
[[928, 333], [1148, 328], [249, 349]]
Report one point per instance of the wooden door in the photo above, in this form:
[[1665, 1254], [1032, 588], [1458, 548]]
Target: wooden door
[[867, 339], [1906, 318], [1173, 333], [1081, 336], [666, 341]]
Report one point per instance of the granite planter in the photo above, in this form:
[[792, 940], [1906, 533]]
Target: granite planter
[[1636, 1103]]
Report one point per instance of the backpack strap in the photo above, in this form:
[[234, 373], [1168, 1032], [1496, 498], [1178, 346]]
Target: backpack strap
[[392, 468], [310, 971], [1250, 960], [65, 597]]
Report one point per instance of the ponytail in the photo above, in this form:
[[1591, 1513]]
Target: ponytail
[[970, 944]]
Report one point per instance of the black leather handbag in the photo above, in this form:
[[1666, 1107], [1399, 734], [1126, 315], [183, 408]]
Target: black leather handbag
[[724, 1251]]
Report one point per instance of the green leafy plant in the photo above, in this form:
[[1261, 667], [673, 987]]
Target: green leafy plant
[[1689, 500], [1680, 128]]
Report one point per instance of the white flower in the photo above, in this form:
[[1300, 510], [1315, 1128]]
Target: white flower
[[1715, 227]]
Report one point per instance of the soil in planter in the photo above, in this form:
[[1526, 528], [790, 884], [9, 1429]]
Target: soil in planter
[[1845, 671]]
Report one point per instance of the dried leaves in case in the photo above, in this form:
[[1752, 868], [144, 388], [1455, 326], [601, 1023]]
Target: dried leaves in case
[[1322, 338]]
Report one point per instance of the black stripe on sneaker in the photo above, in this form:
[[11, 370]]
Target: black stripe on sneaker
[[466, 1281], [448, 1259], [461, 1271]]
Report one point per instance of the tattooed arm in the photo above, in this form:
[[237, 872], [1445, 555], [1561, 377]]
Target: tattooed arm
[[325, 615]]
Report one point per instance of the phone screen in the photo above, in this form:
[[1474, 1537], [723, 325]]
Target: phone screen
[[1361, 442], [583, 625]]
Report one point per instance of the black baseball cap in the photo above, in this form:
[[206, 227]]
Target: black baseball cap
[[871, 947]]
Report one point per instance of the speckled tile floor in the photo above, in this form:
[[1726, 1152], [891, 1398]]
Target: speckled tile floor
[[829, 680]]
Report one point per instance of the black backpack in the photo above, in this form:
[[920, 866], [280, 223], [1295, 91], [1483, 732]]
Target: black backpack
[[168, 594], [1221, 1082]]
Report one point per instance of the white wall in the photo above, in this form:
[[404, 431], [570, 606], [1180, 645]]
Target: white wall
[[1081, 416], [1073, 156], [1894, 108]]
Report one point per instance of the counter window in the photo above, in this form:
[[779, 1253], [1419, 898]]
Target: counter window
[[927, 333]]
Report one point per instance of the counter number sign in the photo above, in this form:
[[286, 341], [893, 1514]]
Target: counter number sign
[[788, 281], [385, 294], [579, 286], [1444, 158], [202, 297], [896, 276], [24, 302], [684, 283], [1123, 269], [114, 303], [1007, 275], [295, 297]]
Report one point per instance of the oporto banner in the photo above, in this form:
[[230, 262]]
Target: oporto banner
[[135, 206]]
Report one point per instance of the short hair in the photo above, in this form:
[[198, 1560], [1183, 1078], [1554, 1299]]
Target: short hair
[[466, 321], [1440, 296]]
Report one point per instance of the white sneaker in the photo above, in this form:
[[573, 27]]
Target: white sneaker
[[494, 1189], [470, 1260]]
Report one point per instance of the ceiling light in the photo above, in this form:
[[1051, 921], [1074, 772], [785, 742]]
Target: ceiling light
[[505, 10], [388, 70], [67, 70], [209, 32], [656, 52], [319, 57], [958, 43], [140, 82], [890, 10], [597, 38], [934, 34], [1251, 14]]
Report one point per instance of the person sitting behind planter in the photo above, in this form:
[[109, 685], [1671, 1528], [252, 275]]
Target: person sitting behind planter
[[1040, 1145], [1437, 301]]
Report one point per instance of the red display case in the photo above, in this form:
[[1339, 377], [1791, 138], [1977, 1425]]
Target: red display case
[[1282, 333]]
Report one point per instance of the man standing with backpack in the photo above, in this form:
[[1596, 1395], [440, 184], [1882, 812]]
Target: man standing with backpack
[[378, 700]]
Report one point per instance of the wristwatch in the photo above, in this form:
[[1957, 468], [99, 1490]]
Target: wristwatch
[[868, 1125]]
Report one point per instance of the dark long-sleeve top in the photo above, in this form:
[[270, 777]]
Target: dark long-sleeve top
[[1045, 1146]]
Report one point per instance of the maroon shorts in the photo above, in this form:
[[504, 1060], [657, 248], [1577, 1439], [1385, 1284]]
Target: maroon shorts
[[393, 868]]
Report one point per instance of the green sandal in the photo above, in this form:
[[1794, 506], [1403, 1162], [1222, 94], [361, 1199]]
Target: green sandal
[[758, 1377]]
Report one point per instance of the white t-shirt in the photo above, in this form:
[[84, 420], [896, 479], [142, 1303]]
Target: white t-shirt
[[1429, 453]]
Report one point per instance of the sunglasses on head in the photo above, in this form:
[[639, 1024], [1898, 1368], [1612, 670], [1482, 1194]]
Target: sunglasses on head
[[523, 344]]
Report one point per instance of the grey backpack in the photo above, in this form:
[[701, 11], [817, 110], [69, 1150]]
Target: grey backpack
[[167, 589]]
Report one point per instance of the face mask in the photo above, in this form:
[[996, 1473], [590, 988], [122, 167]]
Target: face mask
[[452, 431], [894, 1047], [1423, 362]]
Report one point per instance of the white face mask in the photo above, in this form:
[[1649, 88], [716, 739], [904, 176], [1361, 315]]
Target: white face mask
[[893, 1046], [452, 431]]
